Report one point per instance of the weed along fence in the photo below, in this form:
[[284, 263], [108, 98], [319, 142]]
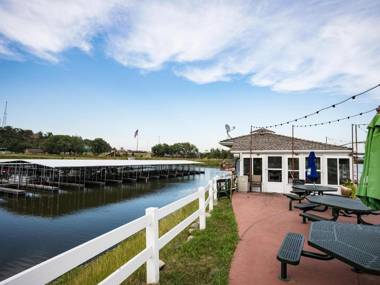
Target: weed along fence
[[53, 268]]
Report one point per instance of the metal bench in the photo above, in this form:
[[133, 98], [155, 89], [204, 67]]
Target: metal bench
[[307, 216], [293, 197], [306, 207], [290, 252]]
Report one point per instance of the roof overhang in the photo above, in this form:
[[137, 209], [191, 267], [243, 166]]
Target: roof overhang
[[227, 143], [290, 151], [73, 163]]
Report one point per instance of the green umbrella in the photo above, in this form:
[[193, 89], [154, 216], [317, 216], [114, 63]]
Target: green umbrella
[[369, 188]]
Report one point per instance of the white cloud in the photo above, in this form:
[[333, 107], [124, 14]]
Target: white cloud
[[284, 46], [5, 51], [46, 28], [156, 32], [295, 49]]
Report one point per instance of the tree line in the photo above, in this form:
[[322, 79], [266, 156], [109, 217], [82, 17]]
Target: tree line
[[217, 153], [188, 150], [18, 140]]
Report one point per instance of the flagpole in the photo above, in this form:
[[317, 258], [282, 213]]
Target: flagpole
[[137, 143]]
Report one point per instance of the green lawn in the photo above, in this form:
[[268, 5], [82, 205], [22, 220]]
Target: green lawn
[[203, 260], [206, 258]]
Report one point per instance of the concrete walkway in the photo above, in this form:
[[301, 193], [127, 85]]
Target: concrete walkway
[[263, 221]]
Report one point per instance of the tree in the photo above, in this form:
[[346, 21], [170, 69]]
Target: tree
[[176, 150], [17, 140], [161, 150], [62, 143], [218, 153], [99, 145]]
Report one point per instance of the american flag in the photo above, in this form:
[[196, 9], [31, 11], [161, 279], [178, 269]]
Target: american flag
[[136, 133]]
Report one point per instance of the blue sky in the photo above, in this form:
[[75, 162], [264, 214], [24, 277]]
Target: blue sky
[[179, 70]]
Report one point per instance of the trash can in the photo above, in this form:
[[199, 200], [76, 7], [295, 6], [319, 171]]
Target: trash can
[[243, 184]]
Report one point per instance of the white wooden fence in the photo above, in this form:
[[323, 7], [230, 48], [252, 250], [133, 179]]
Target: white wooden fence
[[53, 268]]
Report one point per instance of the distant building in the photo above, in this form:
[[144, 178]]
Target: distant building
[[272, 163], [34, 151]]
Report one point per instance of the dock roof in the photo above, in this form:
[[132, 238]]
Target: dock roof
[[72, 163]]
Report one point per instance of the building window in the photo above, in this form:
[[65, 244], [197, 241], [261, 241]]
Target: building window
[[246, 167], [293, 169], [318, 164], [257, 166], [344, 170], [338, 170], [332, 171], [274, 169]]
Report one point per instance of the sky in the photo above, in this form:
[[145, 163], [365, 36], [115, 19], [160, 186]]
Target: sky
[[179, 71]]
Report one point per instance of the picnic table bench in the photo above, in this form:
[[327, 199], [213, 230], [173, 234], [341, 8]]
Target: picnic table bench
[[354, 244]]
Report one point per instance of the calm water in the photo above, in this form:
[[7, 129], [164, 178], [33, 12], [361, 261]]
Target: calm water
[[42, 225]]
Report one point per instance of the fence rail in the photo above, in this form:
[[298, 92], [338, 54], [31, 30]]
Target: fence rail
[[51, 269]]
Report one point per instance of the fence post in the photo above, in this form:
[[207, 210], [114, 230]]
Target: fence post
[[202, 208], [215, 190], [211, 195], [152, 265]]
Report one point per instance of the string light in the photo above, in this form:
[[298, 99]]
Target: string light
[[335, 121], [353, 97]]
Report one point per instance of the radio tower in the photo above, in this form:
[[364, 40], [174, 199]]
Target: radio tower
[[4, 122]]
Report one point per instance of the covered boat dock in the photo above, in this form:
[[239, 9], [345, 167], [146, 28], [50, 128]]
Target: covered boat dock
[[53, 174]]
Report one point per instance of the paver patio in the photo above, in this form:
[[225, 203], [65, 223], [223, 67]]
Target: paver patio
[[263, 221]]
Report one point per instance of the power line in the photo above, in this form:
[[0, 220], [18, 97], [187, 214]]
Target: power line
[[335, 121], [353, 97]]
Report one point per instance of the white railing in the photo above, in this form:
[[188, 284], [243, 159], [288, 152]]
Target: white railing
[[53, 268]]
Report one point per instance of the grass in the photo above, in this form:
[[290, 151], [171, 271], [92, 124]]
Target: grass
[[203, 260]]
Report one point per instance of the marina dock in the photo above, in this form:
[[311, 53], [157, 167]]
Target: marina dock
[[53, 174], [11, 191]]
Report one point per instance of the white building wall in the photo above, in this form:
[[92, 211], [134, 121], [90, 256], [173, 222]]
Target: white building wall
[[284, 186]]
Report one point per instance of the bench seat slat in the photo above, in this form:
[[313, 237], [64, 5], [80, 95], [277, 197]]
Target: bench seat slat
[[306, 207], [314, 218], [291, 249]]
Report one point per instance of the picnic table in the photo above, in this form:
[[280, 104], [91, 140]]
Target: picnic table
[[356, 245], [339, 203], [307, 189]]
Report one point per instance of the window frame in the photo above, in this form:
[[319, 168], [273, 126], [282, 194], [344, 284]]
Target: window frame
[[338, 169], [274, 169], [290, 170], [246, 171]]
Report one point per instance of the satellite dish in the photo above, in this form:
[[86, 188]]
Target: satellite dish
[[228, 130]]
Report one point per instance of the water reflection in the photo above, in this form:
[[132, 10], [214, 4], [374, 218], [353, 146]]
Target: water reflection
[[39, 226], [73, 200]]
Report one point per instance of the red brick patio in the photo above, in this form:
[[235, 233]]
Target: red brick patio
[[263, 220]]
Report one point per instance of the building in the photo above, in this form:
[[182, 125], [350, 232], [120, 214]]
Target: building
[[276, 160]]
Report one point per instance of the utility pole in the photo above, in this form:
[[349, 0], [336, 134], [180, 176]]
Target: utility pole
[[352, 152], [357, 153], [250, 161], [292, 172], [4, 122]]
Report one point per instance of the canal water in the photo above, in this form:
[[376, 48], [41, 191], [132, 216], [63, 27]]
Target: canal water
[[41, 225]]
